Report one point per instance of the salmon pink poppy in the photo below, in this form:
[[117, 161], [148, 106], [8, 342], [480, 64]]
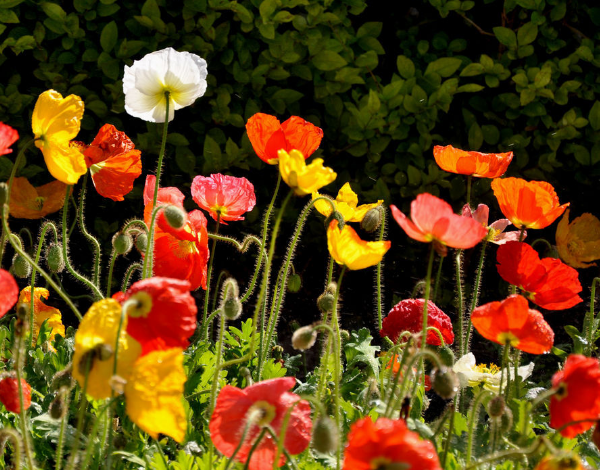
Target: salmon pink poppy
[[8, 136], [387, 443], [548, 282], [224, 197], [577, 396], [496, 232], [29, 202], [9, 292], [532, 204], [178, 253], [267, 136], [433, 220], [513, 322], [9, 394], [261, 404], [407, 315], [463, 162]]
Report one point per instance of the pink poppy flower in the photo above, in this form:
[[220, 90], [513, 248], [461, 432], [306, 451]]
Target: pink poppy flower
[[225, 195], [8, 136], [496, 229]]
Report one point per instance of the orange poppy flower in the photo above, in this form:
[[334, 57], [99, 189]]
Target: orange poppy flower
[[42, 312], [548, 282], [576, 397], [527, 204], [433, 220], [387, 442], [9, 292], [463, 162], [268, 136], [28, 202], [578, 242], [8, 136], [227, 195], [513, 322], [178, 253]]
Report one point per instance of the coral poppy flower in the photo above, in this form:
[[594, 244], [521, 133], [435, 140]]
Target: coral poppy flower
[[387, 442], [548, 282], [55, 122], [532, 204], [407, 315], [576, 397], [8, 136], [560, 462], [481, 165], [9, 292], [113, 161], [9, 394], [394, 364], [346, 203], [182, 74], [578, 242], [28, 202], [265, 403], [512, 322], [165, 310], [42, 312], [178, 253], [302, 178], [346, 247], [228, 196], [433, 220], [496, 229], [268, 136], [471, 374]]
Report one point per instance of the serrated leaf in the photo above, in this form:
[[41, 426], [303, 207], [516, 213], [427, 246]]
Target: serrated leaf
[[359, 350]]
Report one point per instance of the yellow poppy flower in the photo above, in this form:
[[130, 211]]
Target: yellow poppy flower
[[154, 394], [302, 178], [55, 122], [578, 242], [95, 341], [42, 312], [347, 248], [346, 203]]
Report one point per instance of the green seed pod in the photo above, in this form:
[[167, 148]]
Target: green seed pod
[[21, 267], [445, 382], [372, 219], [122, 243], [54, 258], [325, 438], [174, 216], [294, 283], [141, 242], [304, 338]]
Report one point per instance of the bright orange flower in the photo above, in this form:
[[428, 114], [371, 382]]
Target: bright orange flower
[[527, 204], [386, 442], [576, 397], [9, 292], [8, 136], [560, 462], [228, 196], [268, 136], [578, 242], [28, 202], [513, 322], [482, 165], [42, 312]]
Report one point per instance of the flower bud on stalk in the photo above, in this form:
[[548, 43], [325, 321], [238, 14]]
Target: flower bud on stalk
[[22, 323], [21, 267], [496, 407], [445, 382], [122, 243], [231, 306], [294, 283], [58, 406], [372, 219], [325, 437], [304, 338], [54, 258], [3, 194], [141, 242], [446, 356], [174, 216]]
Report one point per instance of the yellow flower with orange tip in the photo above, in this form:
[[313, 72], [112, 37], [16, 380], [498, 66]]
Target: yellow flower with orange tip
[[346, 247], [55, 122], [578, 242], [29, 202], [346, 203], [302, 178], [42, 312], [560, 462]]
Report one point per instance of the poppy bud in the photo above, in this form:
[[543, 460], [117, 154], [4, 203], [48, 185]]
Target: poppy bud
[[372, 219], [54, 258], [141, 242], [344, 336], [232, 309], [3, 193], [174, 216], [446, 356], [506, 420], [21, 267], [325, 438], [277, 352], [22, 323], [445, 382], [304, 338], [294, 283], [496, 407], [325, 302], [62, 379], [122, 243], [58, 407], [245, 372], [373, 392]]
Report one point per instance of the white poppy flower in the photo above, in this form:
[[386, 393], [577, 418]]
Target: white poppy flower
[[182, 74], [470, 374]]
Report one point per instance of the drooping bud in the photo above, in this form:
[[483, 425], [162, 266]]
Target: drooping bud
[[372, 219], [3, 193], [446, 356], [231, 306], [373, 391], [344, 336], [304, 338], [174, 216], [122, 243], [325, 437], [496, 407], [141, 242], [58, 407], [445, 382], [506, 420], [62, 379], [54, 258], [335, 215], [325, 302], [294, 283], [22, 323], [21, 267]]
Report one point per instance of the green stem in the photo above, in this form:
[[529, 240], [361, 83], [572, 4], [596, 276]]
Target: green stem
[[128, 275], [81, 416], [473, 415], [113, 257], [208, 276], [590, 321], [378, 273], [89, 236], [92, 436], [460, 302], [290, 460], [22, 411], [505, 354], [337, 365], [281, 438], [215, 381], [469, 181], [510, 453], [231, 460], [450, 430], [61, 434], [475, 298], [149, 258], [438, 277], [254, 447]]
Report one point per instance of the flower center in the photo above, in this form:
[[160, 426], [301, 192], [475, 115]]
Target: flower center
[[508, 338], [485, 369], [293, 179], [139, 305], [39, 203], [384, 463], [261, 413], [561, 391]]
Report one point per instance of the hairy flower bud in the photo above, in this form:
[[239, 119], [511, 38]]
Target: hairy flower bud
[[294, 283], [325, 302], [231, 306], [141, 242], [446, 356], [304, 338], [372, 219], [445, 382], [3, 193], [122, 243], [325, 437], [344, 336], [174, 216], [21, 267], [496, 407], [58, 407], [54, 258]]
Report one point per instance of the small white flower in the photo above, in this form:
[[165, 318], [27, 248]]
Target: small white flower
[[182, 74], [470, 374]]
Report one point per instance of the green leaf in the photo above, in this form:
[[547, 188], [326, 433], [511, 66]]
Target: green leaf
[[328, 61], [506, 36], [374, 103], [472, 69], [10, 3], [177, 139], [594, 116], [53, 11], [288, 95], [109, 36], [371, 28], [469, 88], [475, 137], [527, 34], [8, 16], [406, 68], [444, 67], [151, 9], [358, 349]]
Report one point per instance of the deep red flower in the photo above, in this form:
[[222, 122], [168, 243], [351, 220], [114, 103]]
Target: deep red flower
[[8, 136], [165, 316], [407, 315], [268, 136], [9, 292], [9, 394], [512, 321], [433, 220], [178, 253], [225, 195], [578, 395], [373, 445], [265, 403], [548, 282]]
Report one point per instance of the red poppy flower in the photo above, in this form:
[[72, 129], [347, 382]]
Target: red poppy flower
[[9, 394], [549, 282], [225, 195], [433, 220], [265, 403], [407, 315], [268, 136], [178, 253], [165, 316], [8, 136], [577, 397], [511, 321], [387, 442], [9, 292], [113, 161], [463, 162]]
